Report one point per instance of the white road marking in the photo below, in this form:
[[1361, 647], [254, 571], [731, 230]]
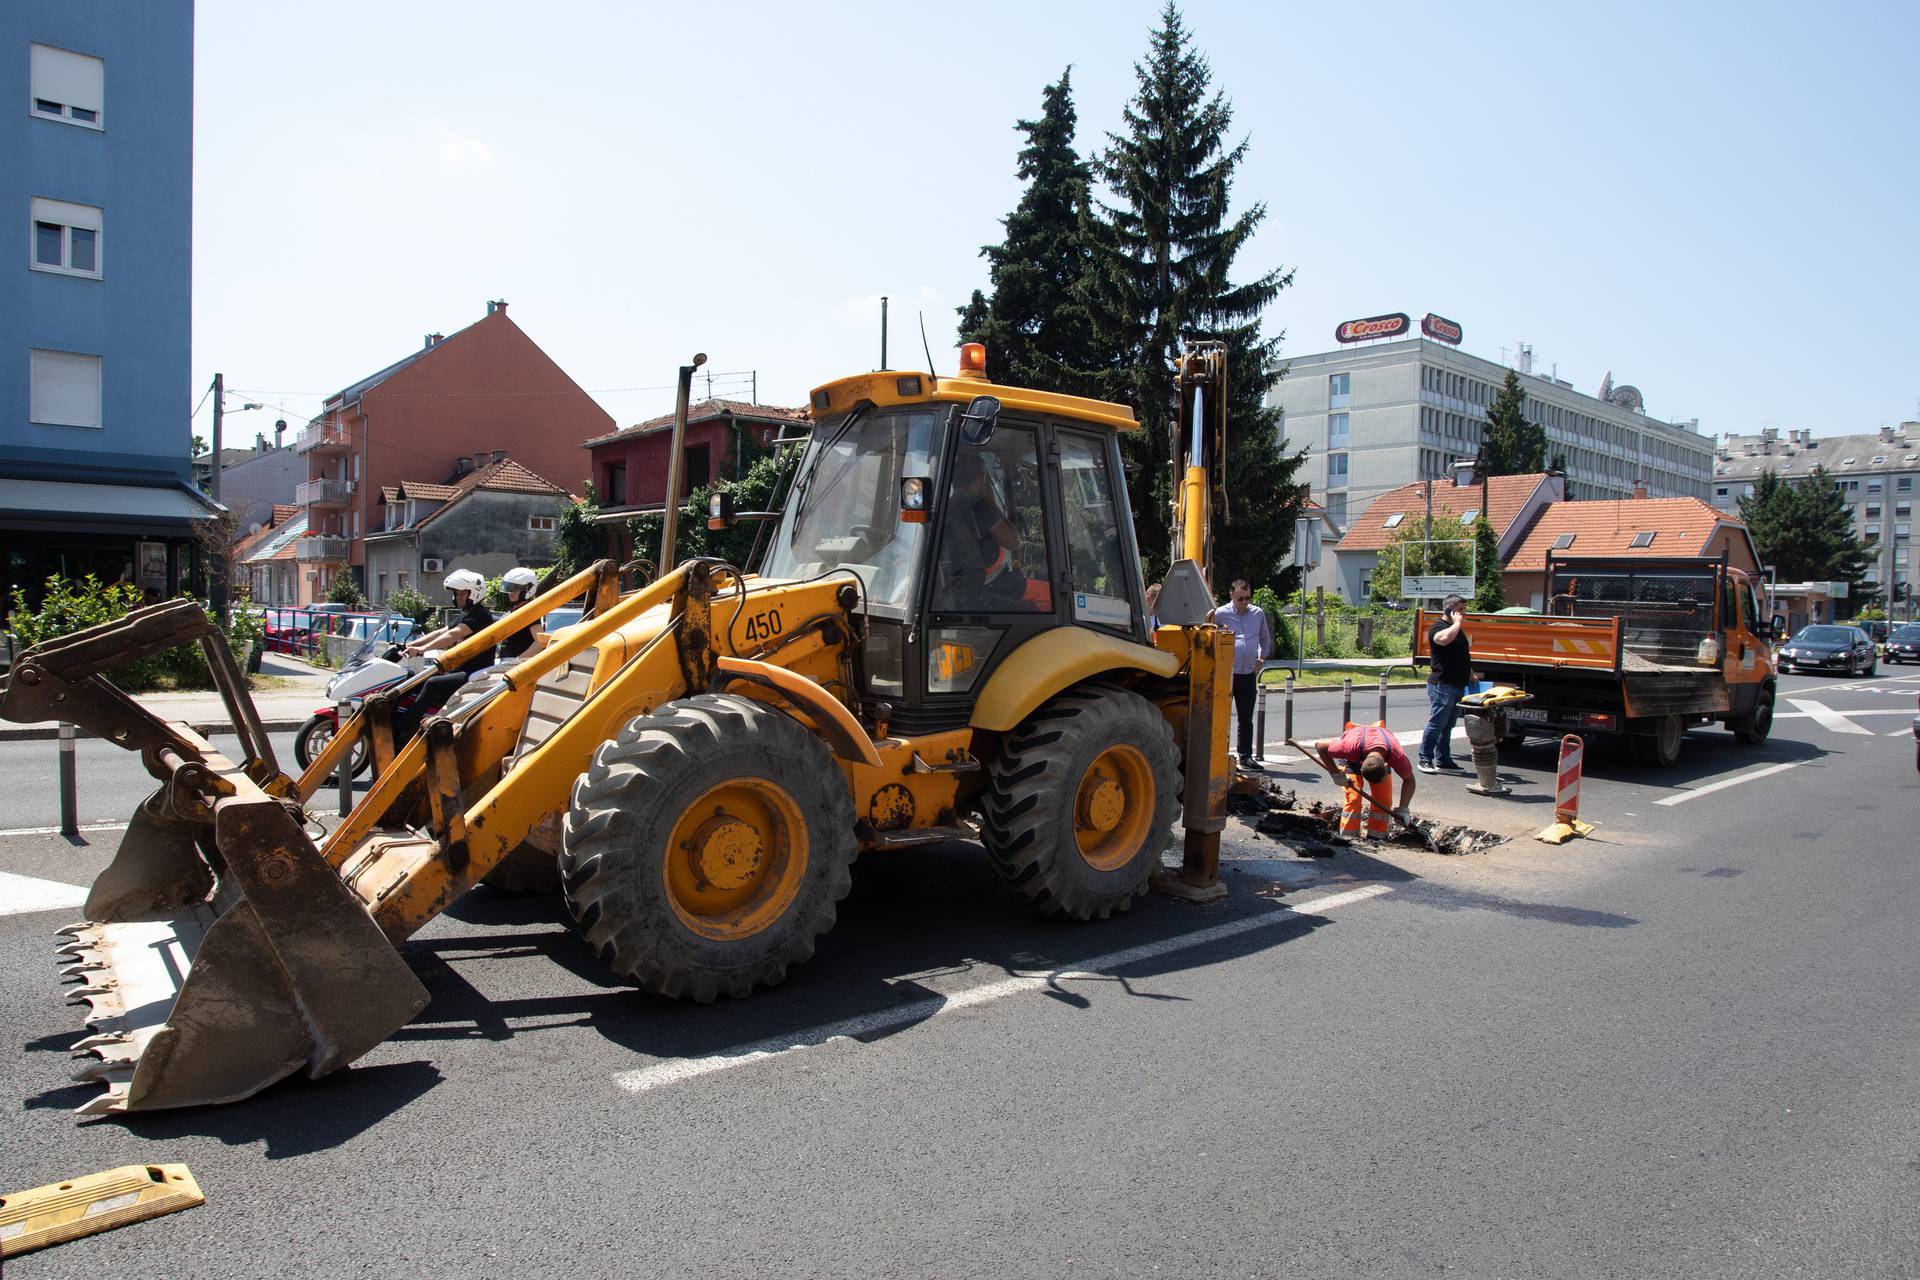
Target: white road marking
[[1826, 717], [54, 831], [671, 1072], [1899, 733], [1734, 781], [21, 895]]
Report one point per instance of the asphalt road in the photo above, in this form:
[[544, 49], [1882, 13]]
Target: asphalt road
[[1687, 1046]]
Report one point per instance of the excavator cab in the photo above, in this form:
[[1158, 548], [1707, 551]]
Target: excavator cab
[[946, 640]]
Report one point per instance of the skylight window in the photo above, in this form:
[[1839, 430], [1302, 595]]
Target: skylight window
[[1393, 521], [1467, 516], [1847, 462], [1564, 541], [1644, 538], [1879, 460]]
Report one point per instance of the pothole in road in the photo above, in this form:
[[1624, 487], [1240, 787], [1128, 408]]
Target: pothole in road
[[1313, 828]]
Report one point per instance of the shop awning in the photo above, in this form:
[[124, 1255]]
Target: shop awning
[[74, 505]]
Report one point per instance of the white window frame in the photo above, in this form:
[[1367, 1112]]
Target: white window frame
[[535, 525], [68, 81], [1345, 439], [69, 217], [42, 365]]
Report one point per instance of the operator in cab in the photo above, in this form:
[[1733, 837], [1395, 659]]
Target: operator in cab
[[468, 590], [980, 541]]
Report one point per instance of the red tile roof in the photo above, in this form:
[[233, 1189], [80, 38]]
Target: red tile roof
[[1681, 527], [504, 476], [709, 409], [1506, 495]]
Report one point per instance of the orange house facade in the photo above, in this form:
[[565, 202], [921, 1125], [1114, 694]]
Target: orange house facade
[[487, 388]]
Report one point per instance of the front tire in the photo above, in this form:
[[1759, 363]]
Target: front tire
[[1080, 802], [1755, 725], [310, 743], [707, 847]]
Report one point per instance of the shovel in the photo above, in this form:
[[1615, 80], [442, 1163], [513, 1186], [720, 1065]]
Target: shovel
[[1346, 784]]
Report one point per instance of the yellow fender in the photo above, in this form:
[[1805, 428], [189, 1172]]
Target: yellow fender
[[1055, 660]]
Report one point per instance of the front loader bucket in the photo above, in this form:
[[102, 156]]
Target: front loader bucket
[[200, 997], [221, 951]]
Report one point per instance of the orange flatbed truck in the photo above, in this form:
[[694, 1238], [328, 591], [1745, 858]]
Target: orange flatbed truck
[[1639, 647]]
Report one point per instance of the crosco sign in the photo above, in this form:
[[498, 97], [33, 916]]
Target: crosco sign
[[1440, 329], [1373, 327]]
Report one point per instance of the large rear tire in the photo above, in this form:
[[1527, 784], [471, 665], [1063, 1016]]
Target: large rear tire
[[707, 846], [1081, 801], [1755, 725]]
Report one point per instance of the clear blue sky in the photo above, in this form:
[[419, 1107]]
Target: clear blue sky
[[1715, 202]]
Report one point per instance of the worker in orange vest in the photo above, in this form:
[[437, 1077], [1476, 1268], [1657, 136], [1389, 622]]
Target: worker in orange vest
[[1361, 760]]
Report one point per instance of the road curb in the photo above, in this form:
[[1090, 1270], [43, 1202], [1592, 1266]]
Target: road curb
[[46, 733]]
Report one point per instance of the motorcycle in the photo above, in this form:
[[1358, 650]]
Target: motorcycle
[[373, 667]]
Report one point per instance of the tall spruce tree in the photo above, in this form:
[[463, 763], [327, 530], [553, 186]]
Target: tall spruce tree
[[1034, 325], [1162, 260], [1804, 529], [1510, 445]]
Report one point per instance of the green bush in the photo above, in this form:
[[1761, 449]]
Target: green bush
[[344, 590], [409, 603], [74, 604]]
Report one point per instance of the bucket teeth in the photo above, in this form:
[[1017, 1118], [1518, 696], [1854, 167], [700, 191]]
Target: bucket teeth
[[85, 966], [73, 930], [110, 1072], [87, 993], [101, 1040], [106, 1104]]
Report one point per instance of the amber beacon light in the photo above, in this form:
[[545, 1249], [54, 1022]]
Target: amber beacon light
[[973, 359]]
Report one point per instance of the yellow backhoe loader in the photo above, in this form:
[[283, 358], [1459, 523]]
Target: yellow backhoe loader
[[948, 623]]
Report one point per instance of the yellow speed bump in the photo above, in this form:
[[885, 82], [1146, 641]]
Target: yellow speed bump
[[94, 1203]]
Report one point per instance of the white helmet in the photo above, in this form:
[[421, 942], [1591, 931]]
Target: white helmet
[[520, 578], [465, 580]]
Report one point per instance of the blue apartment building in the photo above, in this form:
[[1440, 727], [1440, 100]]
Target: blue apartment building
[[96, 182]]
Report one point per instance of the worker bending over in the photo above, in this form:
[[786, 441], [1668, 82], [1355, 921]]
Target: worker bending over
[[1371, 753]]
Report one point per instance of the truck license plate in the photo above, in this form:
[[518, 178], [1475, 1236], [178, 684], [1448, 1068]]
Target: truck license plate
[[1528, 713]]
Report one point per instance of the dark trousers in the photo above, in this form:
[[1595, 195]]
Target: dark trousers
[[1244, 687], [432, 696]]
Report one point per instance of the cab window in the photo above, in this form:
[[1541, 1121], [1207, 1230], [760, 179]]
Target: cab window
[[993, 544], [1101, 591]]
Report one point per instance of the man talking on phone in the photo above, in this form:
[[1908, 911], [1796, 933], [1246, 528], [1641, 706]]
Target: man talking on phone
[[1447, 680]]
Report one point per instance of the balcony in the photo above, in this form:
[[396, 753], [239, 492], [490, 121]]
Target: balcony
[[321, 437], [323, 493], [321, 548]]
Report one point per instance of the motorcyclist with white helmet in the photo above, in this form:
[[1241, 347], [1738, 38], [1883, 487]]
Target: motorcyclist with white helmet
[[469, 597], [532, 638]]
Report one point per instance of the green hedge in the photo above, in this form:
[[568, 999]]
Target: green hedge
[[74, 604]]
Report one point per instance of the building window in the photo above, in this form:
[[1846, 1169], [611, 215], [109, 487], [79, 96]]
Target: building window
[[616, 484], [1902, 530], [1903, 509], [1873, 511], [1720, 491], [1899, 555], [1336, 469], [1904, 484], [540, 524], [66, 86], [1873, 486], [63, 389], [66, 238], [699, 466], [1339, 387], [1338, 434], [1870, 535], [1336, 507]]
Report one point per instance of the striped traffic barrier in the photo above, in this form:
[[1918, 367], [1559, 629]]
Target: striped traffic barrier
[[1566, 796]]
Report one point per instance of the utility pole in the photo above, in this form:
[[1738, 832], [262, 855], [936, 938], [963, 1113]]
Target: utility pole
[[216, 553]]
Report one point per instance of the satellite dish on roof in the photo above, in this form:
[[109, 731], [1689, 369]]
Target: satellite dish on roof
[[1628, 397]]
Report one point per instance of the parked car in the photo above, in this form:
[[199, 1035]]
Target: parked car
[[1904, 644], [1828, 647], [379, 628]]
